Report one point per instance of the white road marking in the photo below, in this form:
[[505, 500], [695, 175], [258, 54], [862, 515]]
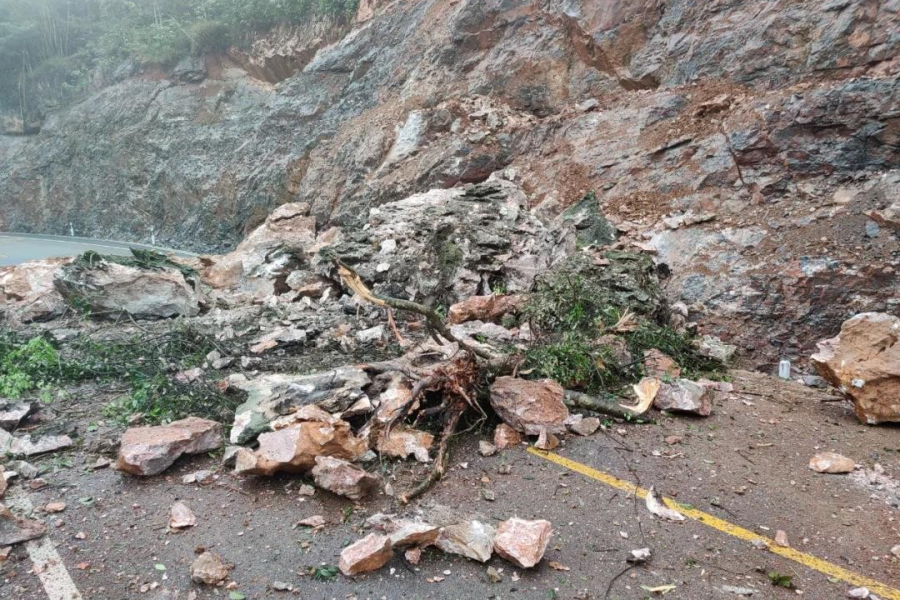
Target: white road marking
[[47, 562]]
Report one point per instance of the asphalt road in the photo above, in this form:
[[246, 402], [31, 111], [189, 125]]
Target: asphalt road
[[17, 248]]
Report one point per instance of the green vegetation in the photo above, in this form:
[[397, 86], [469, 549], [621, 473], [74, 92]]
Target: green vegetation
[[586, 316], [147, 363], [64, 44]]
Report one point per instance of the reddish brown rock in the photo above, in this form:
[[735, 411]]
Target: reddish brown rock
[[209, 569], [863, 361], [344, 479], [522, 542], [181, 517], [685, 396], [506, 437], [660, 365], [530, 406], [368, 554], [403, 442], [546, 441], [151, 450], [484, 308], [294, 449], [830, 462]]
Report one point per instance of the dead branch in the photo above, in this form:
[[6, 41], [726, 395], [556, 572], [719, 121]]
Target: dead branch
[[433, 321]]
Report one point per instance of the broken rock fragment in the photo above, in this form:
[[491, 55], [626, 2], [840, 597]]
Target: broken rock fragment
[[404, 442], [151, 450], [181, 517], [344, 479], [209, 569], [14, 530], [685, 396], [863, 362], [522, 542], [506, 437], [368, 554], [660, 365], [472, 539], [12, 413], [484, 308], [831, 462], [295, 449], [530, 406]]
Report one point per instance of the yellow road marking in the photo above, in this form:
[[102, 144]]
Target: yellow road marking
[[807, 560]]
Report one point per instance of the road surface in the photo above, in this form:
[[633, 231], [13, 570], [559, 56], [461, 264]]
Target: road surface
[[16, 248]]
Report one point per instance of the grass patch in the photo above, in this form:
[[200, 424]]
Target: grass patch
[[575, 313], [147, 363]]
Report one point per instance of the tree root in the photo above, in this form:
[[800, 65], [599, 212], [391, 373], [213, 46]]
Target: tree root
[[443, 454]]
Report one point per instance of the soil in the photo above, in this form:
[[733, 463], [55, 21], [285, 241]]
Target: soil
[[747, 464]]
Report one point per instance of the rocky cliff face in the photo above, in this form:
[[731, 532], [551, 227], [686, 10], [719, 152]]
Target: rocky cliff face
[[743, 143]]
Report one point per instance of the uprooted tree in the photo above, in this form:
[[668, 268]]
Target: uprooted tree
[[591, 319]]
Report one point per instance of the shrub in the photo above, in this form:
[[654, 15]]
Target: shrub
[[209, 37]]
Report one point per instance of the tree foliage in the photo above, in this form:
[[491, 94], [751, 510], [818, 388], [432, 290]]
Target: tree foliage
[[57, 46]]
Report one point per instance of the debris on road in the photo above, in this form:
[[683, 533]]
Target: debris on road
[[863, 362], [486, 448], [368, 554], [530, 407], [506, 437], [831, 462], [181, 517], [343, 478], [15, 530], [55, 507], [149, 451], [522, 542], [209, 569], [781, 539], [639, 556], [294, 449], [402, 442], [314, 522], [656, 505]]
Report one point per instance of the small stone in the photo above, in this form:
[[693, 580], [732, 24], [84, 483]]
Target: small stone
[[14, 530], [831, 462], [368, 336], [587, 426], [55, 507], [859, 592], [488, 494], [486, 448], [202, 477], [546, 441], [25, 469], [522, 542], [209, 569], [181, 517], [641, 555], [896, 550], [781, 539], [684, 396], [306, 490], [673, 439], [404, 532], [413, 555], [493, 575], [11, 414], [506, 437], [315, 522], [368, 554], [280, 586], [343, 478]]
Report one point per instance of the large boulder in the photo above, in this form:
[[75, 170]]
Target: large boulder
[[107, 288], [294, 449], [151, 450], [530, 407], [685, 396], [27, 293], [863, 361]]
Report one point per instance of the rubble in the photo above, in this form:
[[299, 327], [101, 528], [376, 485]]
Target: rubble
[[486, 448], [530, 407], [343, 478], [585, 426], [181, 517], [471, 539], [660, 365], [489, 309], [684, 395], [295, 449], [12, 413], [209, 569], [522, 542], [149, 451], [275, 395], [404, 532], [831, 462], [863, 362], [368, 554], [546, 441], [712, 347], [402, 442], [14, 530], [27, 294], [25, 445]]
